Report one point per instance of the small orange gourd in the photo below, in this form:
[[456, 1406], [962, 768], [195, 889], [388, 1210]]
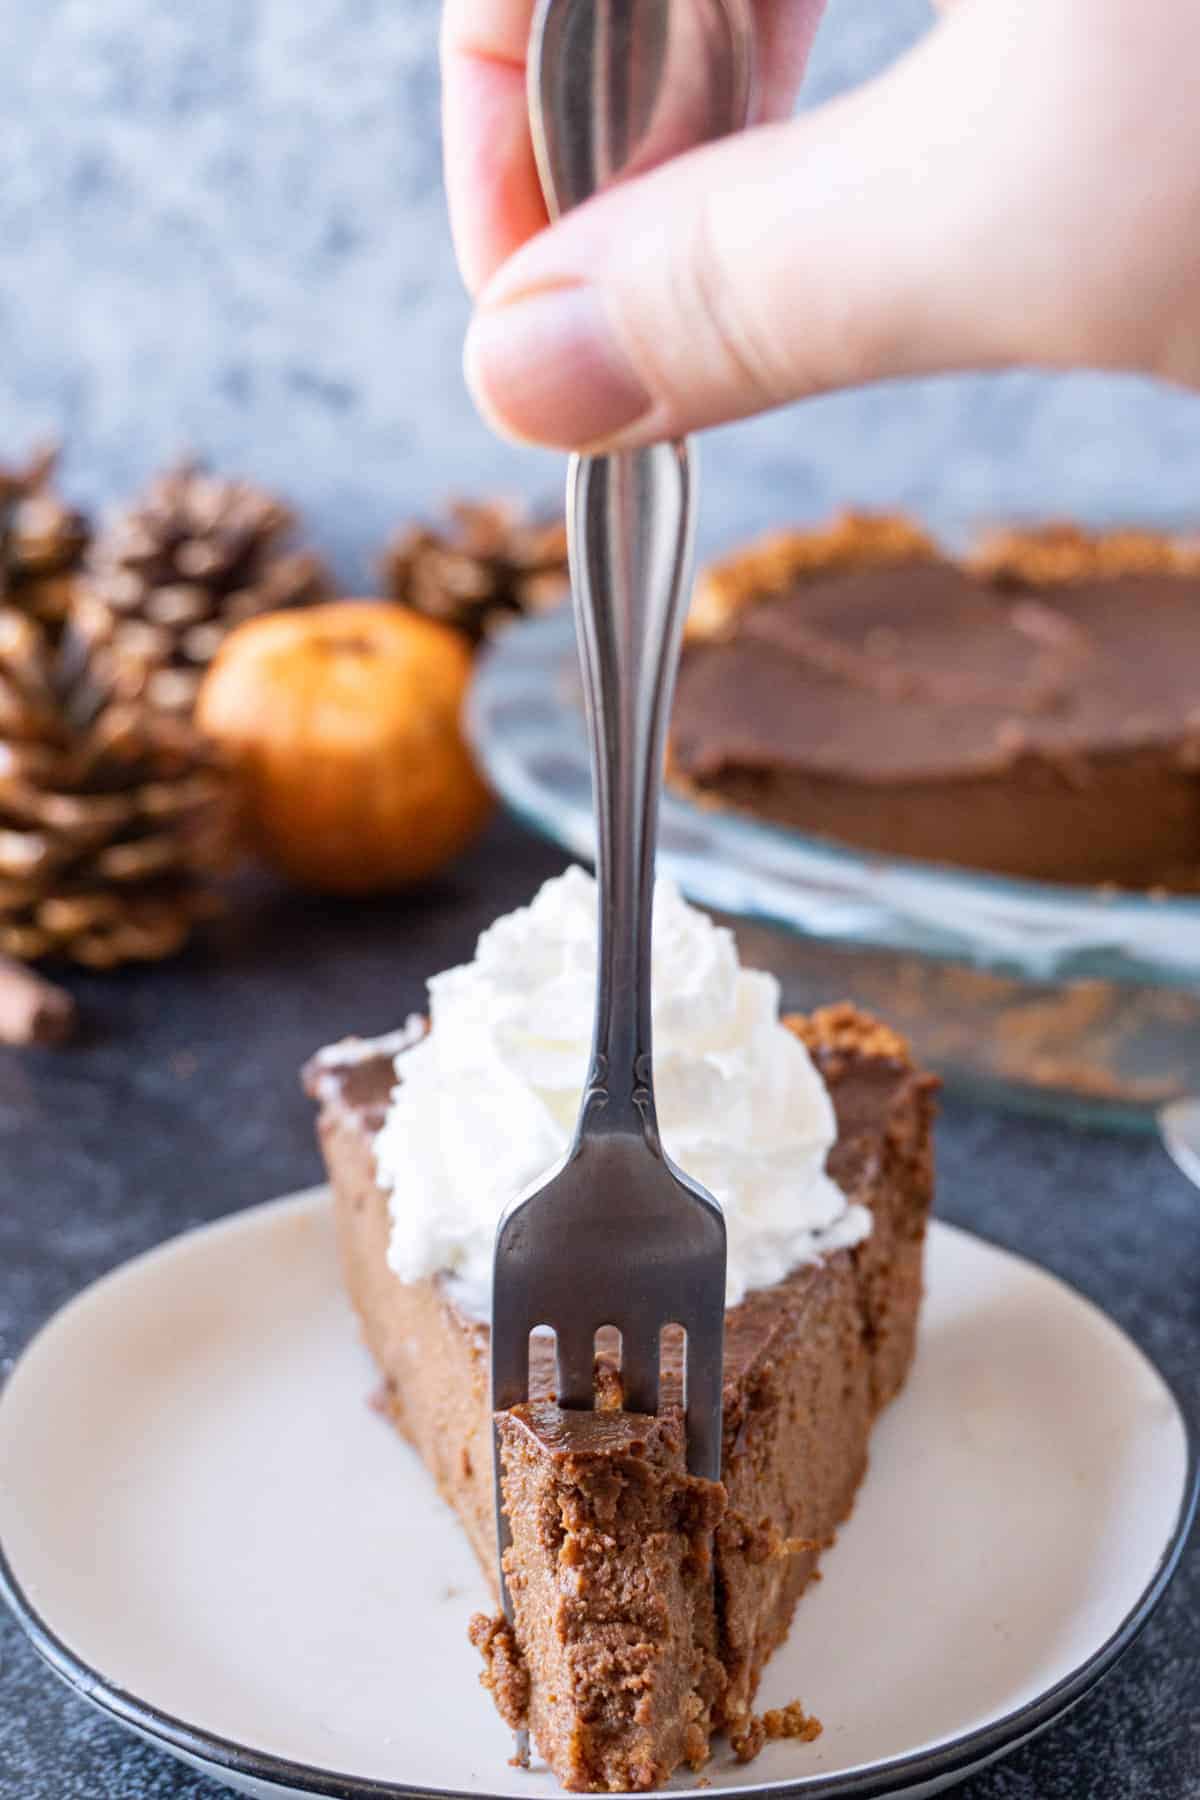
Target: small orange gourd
[[344, 723]]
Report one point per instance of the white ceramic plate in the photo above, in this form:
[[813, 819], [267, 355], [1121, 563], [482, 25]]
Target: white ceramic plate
[[206, 1530]]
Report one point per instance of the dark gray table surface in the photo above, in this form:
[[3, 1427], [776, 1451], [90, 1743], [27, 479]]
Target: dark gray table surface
[[181, 1104]]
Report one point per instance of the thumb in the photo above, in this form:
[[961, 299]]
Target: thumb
[[942, 217]]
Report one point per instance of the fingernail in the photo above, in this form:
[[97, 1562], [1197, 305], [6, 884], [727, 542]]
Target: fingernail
[[547, 367]]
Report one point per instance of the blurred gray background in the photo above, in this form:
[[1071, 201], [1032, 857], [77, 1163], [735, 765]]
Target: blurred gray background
[[222, 226]]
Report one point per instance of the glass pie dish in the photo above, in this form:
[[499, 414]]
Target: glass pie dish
[[1076, 1001]]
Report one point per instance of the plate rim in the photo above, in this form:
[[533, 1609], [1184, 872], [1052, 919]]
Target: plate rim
[[942, 1763]]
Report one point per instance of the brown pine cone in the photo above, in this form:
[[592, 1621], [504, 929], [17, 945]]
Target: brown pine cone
[[172, 576], [42, 540], [489, 565], [111, 816]]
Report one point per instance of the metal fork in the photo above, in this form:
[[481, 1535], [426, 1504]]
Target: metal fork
[[618, 1235]]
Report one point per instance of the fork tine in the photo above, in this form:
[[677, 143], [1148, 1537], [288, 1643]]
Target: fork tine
[[510, 1385], [705, 1359], [576, 1365], [509, 1357], [639, 1369]]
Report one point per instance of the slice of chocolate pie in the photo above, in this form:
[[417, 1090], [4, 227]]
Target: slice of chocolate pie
[[647, 1602], [1032, 710]]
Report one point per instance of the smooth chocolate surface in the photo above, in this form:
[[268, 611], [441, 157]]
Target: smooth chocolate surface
[[932, 710]]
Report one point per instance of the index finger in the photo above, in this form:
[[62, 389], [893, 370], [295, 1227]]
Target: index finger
[[492, 184]]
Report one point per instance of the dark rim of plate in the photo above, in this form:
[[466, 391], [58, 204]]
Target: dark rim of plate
[[874, 1781]]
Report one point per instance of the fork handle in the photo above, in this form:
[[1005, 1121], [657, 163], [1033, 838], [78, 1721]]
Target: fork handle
[[631, 526]]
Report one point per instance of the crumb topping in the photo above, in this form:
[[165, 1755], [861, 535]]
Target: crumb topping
[[842, 1028], [850, 540], [1056, 554], [1060, 553]]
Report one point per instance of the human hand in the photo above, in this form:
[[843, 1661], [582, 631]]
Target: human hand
[[1022, 187]]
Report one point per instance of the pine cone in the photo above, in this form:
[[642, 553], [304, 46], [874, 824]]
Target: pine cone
[[42, 540], [110, 815], [195, 556], [490, 565]]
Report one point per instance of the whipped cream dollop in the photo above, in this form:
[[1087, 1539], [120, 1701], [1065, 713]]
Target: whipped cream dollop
[[486, 1102]]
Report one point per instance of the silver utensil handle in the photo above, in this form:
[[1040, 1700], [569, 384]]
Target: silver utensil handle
[[631, 521]]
